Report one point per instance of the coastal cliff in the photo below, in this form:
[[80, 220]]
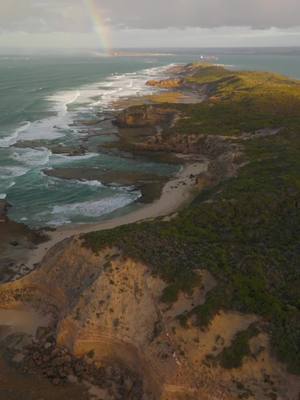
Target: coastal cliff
[[15, 240], [202, 303], [111, 306]]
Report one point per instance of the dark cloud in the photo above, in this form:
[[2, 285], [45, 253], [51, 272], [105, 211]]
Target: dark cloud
[[72, 15]]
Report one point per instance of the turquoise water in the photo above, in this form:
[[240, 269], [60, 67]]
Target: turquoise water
[[43, 100]]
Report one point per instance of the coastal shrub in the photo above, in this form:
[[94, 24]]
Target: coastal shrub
[[216, 299], [170, 294], [240, 102], [247, 234], [233, 356]]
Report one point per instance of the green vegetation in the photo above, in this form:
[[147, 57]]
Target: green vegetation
[[232, 356], [240, 102], [247, 236]]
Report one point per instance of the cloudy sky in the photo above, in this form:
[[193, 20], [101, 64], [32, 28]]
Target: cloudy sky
[[148, 23]]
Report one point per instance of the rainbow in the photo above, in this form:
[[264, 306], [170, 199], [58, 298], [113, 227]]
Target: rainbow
[[99, 24]]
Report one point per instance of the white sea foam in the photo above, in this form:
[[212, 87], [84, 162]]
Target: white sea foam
[[93, 183], [32, 157], [12, 172], [68, 106], [59, 221], [48, 128], [62, 100], [62, 158], [95, 208], [13, 138], [27, 159], [11, 184], [120, 86], [5, 186], [104, 94]]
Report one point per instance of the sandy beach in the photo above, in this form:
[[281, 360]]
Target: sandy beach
[[175, 194]]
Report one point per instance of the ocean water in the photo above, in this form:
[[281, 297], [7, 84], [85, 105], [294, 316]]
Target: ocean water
[[42, 101]]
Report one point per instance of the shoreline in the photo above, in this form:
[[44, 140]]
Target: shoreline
[[175, 296], [176, 193], [91, 125], [29, 254]]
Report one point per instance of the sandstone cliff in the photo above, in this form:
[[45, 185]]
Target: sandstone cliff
[[144, 116], [16, 240], [110, 306]]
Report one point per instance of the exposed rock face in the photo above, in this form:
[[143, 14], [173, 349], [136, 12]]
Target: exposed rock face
[[187, 144], [16, 240], [166, 83], [137, 117], [42, 356], [225, 157], [110, 306]]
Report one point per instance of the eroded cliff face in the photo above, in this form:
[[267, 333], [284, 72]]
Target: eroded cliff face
[[110, 306], [144, 116], [167, 83], [206, 145], [16, 241]]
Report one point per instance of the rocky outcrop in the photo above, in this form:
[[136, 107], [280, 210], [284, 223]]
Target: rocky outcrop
[[16, 240], [167, 83], [44, 357], [225, 156], [207, 145], [145, 116], [69, 151], [55, 149]]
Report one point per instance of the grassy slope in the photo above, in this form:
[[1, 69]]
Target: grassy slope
[[248, 234]]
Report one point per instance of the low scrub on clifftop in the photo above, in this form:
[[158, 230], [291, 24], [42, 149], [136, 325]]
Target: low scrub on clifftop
[[240, 102], [246, 235], [233, 355]]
